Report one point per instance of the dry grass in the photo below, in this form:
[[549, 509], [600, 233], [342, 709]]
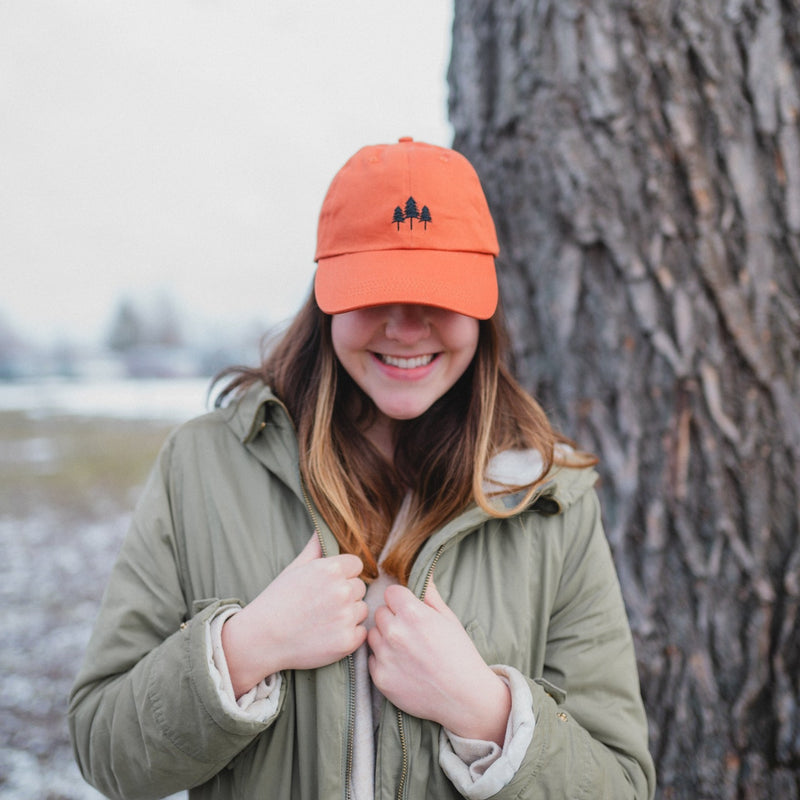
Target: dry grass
[[79, 467]]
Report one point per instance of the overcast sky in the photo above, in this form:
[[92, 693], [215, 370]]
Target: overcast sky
[[184, 147]]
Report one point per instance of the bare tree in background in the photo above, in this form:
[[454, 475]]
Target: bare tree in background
[[642, 160]]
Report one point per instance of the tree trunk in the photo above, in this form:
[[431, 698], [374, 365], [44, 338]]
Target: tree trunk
[[642, 160]]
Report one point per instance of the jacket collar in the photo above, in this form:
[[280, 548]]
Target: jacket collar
[[560, 489], [258, 411], [262, 423]]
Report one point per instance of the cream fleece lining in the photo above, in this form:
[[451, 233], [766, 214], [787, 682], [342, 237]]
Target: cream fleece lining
[[261, 702]]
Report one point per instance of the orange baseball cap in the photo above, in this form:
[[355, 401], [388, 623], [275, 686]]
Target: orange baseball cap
[[406, 223]]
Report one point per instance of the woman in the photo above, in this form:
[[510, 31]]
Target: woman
[[374, 570]]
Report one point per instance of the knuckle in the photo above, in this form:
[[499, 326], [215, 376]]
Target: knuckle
[[395, 636], [340, 595]]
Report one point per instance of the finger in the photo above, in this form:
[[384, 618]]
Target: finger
[[361, 637], [382, 616], [311, 552], [358, 588], [381, 673], [398, 598], [348, 565], [434, 599], [375, 667], [373, 639], [361, 613]]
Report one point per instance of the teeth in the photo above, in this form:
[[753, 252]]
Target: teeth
[[407, 363]]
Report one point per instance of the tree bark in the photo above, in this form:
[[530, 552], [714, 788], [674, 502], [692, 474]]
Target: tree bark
[[642, 161]]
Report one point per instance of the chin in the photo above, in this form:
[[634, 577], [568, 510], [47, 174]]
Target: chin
[[403, 414]]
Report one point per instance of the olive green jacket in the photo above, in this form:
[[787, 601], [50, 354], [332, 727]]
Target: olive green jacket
[[224, 511]]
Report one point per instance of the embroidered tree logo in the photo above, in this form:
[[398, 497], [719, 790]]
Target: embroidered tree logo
[[411, 212], [398, 216]]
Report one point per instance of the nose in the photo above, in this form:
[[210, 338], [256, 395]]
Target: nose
[[407, 323]]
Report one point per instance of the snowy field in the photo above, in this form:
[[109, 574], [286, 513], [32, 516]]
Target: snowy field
[[58, 540], [167, 400]]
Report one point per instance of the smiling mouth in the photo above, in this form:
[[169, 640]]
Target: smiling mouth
[[406, 363]]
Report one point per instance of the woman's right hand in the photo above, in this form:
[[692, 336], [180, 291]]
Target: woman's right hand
[[311, 615]]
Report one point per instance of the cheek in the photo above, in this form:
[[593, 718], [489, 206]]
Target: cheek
[[349, 338], [461, 363], [344, 334], [462, 344], [468, 336]]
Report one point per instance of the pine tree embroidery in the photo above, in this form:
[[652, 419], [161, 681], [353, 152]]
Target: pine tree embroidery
[[411, 211]]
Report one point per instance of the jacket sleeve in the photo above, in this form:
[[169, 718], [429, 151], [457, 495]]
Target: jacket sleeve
[[145, 716], [590, 738]]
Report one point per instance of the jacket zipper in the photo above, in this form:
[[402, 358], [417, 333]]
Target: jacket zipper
[[351, 665], [314, 521], [430, 572], [401, 785], [351, 713]]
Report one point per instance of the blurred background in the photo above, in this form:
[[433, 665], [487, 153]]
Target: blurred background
[[162, 169]]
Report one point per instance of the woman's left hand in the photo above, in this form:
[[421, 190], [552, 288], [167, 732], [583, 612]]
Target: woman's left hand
[[424, 662]]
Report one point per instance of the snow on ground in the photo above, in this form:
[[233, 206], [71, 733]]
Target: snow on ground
[[51, 580], [53, 569], [176, 400]]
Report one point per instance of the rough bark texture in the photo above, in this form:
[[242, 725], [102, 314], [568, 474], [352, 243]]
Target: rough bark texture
[[642, 160]]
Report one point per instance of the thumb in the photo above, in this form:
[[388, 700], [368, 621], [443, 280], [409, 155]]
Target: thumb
[[434, 600], [311, 552]]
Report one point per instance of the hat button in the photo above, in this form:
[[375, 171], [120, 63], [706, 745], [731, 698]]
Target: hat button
[[406, 139]]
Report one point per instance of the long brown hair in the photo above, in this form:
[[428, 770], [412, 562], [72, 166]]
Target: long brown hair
[[440, 457]]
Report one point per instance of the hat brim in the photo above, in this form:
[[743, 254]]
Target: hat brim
[[457, 281]]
